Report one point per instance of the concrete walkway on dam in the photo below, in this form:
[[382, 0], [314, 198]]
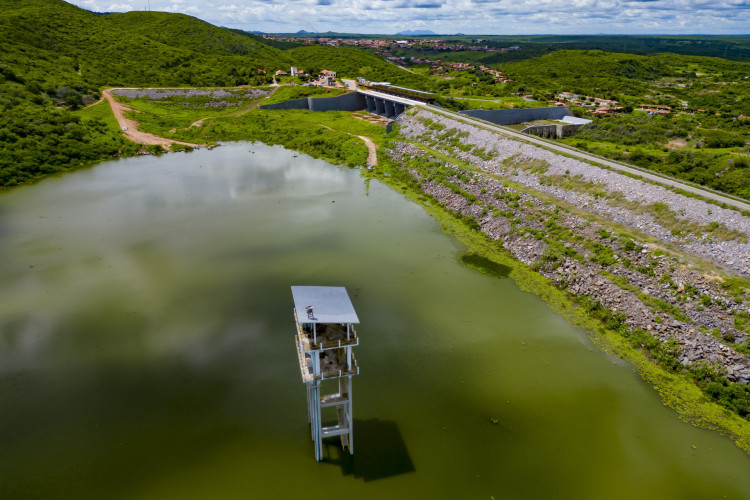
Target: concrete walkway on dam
[[561, 148]]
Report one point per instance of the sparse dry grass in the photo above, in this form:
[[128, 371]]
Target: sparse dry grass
[[670, 220]]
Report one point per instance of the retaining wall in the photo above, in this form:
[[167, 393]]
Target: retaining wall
[[293, 104], [514, 116], [353, 101]]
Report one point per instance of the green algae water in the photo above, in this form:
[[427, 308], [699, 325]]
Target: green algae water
[[147, 350]]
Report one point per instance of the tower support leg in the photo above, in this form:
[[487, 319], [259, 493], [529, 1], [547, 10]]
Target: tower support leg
[[318, 437]]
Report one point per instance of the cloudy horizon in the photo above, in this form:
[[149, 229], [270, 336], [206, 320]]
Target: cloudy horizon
[[480, 17]]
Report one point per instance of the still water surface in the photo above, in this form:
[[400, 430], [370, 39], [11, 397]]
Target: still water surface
[[146, 350]]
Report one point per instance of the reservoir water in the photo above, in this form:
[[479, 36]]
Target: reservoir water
[[147, 350]]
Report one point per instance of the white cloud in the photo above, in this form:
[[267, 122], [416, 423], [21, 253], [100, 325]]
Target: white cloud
[[119, 7], [451, 16]]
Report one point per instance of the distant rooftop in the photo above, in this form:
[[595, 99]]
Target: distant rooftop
[[330, 304]]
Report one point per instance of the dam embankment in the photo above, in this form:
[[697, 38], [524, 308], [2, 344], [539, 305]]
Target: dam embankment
[[600, 235]]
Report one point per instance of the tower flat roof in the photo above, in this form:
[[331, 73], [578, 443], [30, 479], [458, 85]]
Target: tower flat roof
[[330, 304]]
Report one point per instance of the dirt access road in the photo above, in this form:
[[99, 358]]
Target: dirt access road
[[129, 127], [372, 155], [372, 149]]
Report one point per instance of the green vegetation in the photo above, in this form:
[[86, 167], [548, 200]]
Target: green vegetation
[[732, 396], [57, 58], [667, 78], [702, 148], [477, 103], [330, 135], [665, 355], [35, 146], [323, 135], [662, 306], [702, 140]]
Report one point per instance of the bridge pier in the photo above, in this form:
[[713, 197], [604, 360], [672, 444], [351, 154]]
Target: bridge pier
[[379, 106], [389, 111], [370, 103]]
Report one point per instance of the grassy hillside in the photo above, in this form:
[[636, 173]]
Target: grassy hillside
[[672, 77], [50, 39], [57, 57]]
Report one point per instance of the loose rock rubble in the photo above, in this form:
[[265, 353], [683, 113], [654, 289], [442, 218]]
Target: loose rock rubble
[[218, 96], [657, 293], [165, 93]]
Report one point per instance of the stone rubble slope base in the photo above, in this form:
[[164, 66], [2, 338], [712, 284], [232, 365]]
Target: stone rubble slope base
[[659, 295]]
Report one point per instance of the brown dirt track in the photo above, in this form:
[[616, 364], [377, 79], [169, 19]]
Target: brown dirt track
[[129, 127]]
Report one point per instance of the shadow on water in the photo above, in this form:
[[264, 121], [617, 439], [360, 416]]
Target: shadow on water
[[485, 265], [379, 451]]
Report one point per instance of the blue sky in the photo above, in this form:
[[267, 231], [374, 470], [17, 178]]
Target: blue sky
[[495, 17]]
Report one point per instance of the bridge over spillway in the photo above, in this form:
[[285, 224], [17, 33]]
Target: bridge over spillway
[[386, 105], [379, 103]]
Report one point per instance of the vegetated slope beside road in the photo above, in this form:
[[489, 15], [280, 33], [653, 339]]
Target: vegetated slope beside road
[[711, 231], [653, 175]]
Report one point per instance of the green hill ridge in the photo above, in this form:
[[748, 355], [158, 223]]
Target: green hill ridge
[[57, 58]]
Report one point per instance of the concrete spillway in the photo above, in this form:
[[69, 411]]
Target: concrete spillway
[[380, 104]]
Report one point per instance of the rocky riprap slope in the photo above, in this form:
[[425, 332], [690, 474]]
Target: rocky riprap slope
[[652, 292], [216, 98]]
